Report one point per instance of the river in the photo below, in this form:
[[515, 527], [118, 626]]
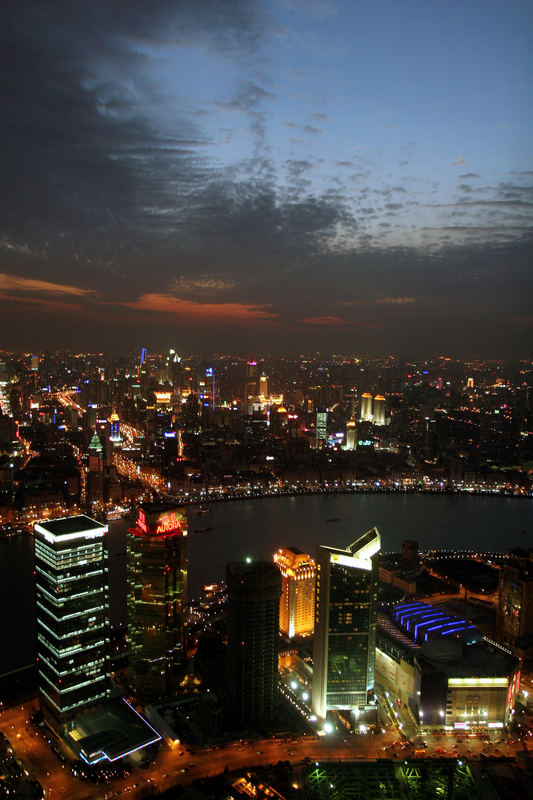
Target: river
[[258, 527]]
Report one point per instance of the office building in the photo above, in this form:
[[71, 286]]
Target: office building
[[254, 590], [321, 429], [366, 407], [345, 625], [71, 577], [351, 435], [297, 604], [379, 410], [157, 595], [515, 600]]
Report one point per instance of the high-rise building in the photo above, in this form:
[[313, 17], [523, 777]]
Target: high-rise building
[[379, 410], [366, 407], [254, 591], [297, 604], [321, 429], [157, 595], [345, 625], [72, 617], [515, 599], [351, 435], [114, 423]]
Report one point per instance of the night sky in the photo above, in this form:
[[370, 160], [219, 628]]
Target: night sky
[[352, 176]]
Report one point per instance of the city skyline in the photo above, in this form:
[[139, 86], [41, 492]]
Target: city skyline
[[353, 178]]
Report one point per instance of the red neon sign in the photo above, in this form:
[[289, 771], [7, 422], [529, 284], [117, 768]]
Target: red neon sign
[[168, 522], [141, 521]]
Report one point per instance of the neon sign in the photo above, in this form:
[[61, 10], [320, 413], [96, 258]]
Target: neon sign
[[141, 521], [168, 522]]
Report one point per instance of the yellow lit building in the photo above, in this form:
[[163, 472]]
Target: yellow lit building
[[297, 604]]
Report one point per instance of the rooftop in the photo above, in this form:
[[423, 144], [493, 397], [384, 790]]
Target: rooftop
[[111, 731], [64, 526]]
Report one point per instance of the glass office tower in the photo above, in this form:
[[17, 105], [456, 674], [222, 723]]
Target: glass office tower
[[72, 617], [157, 597], [254, 590], [345, 625]]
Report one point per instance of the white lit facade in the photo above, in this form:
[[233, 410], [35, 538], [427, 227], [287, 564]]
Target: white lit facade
[[72, 617]]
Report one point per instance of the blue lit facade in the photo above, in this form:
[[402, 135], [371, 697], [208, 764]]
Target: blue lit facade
[[422, 622], [441, 666]]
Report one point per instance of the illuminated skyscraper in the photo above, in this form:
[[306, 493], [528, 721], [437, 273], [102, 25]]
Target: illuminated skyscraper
[[114, 422], [379, 410], [366, 407], [72, 617], [254, 591], [321, 429], [251, 382], [345, 625], [297, 604], [351, 435], [157, 595]]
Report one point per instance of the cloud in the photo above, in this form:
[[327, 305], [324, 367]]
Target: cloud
[[459, 161], [327, 321], [467, 175], [210, 312], [396, 301], [311, 130], [14, 283]]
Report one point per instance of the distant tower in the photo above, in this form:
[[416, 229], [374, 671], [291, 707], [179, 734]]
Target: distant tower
[[351, 435], [251, 382], [366, 407], [72, 617], [321, 429], [114, 421], [254, 591], [157, 597], [379, 410], [297, 604], [263, 386], [345, 625], [95, 476]]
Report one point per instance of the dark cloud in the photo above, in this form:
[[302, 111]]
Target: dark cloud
[[109, 197]]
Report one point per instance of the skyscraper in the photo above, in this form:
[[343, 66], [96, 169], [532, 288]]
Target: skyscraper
[[345, 625], [72, 617], [321, 429], [515, 599], [157, 595], [254, 591], [351, 435], [297, 604], [366, 407], [379, 410]]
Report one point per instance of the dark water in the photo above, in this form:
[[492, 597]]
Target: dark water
[[258, 527]]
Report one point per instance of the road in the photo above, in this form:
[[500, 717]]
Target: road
[[170, 767]]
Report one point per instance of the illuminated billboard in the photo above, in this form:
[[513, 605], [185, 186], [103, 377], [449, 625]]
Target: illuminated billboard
[[155, 521]]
